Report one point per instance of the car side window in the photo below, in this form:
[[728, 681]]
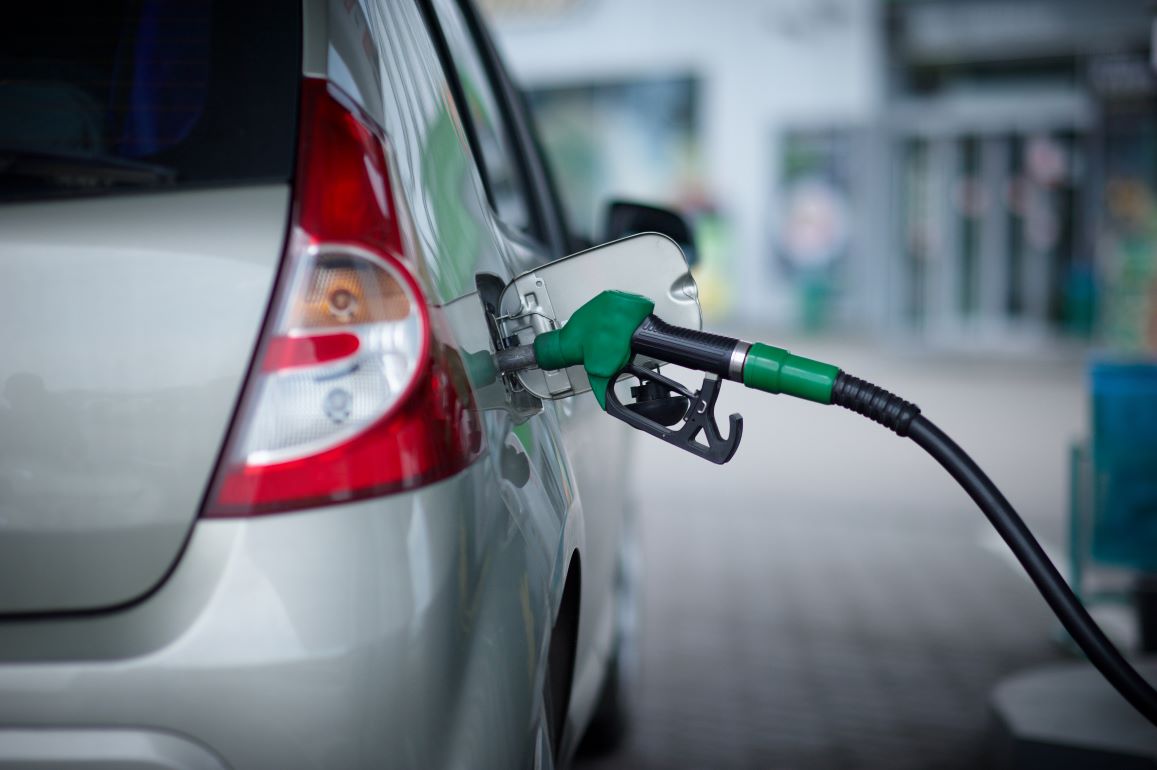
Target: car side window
[[500, 161]]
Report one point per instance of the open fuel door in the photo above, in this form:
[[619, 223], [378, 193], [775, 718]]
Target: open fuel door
[[545, 298]]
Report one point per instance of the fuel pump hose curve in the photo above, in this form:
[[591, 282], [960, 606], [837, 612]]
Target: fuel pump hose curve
[[606, 334]]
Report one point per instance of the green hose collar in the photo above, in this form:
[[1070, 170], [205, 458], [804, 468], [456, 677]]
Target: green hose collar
[[775, 370]]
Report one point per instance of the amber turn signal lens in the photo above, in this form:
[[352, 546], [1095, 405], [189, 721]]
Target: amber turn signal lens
[[348, 292]]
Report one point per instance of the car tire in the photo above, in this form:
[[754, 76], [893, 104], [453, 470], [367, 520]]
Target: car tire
[[612, 719], [611, 722]]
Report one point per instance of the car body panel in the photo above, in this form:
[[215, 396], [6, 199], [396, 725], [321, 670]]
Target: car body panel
[[403, 631], [103, 749], [410, 630], [129, 327], [579, 454]]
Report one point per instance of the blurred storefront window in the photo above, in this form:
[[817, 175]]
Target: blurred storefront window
[[1128, 214], [990, 182], [627, 139], [815, 228], [635, 139]]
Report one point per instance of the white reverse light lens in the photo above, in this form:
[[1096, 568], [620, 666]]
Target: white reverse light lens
[[305, 407]]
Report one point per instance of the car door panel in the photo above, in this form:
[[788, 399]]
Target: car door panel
[[457, 238]]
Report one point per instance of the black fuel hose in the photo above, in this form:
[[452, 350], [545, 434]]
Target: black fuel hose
[[904, 418]]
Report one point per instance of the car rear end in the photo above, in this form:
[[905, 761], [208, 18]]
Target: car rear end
[[238, 459]]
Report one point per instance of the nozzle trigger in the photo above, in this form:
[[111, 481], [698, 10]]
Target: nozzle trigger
[[698, 418]]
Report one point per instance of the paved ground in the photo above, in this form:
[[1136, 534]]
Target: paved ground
[[830, 599]]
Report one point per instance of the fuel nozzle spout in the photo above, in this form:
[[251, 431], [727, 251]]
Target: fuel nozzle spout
[[515, 359], [617, 335], [605, 333]]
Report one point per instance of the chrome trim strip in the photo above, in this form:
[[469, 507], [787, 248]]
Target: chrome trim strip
[[738, 358]]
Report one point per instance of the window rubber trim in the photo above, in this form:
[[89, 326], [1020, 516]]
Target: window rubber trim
[[450, 72]]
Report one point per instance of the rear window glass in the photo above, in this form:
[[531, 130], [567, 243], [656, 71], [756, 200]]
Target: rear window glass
[[98, 97]]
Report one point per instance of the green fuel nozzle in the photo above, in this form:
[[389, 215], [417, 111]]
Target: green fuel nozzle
[[606, 332], [611, 333], [598, 336]]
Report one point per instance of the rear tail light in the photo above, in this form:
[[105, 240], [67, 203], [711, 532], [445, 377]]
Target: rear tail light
[[351, 393]]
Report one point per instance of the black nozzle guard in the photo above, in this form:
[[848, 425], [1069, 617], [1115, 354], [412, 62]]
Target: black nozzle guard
[[698, 417], [654, 401]]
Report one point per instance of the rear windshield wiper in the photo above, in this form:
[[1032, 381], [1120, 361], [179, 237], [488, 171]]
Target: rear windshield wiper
[[78, 171]]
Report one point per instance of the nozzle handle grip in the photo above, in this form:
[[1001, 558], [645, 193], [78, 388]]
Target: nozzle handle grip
[[686, 347]]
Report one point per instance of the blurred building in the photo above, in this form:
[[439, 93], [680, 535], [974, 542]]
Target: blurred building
[[958, 171], [1021, 138]]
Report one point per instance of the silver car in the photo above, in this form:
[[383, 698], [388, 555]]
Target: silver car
[[264, 502]]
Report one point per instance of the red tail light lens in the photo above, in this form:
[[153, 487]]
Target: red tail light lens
[[311, 350], [351, 393]]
